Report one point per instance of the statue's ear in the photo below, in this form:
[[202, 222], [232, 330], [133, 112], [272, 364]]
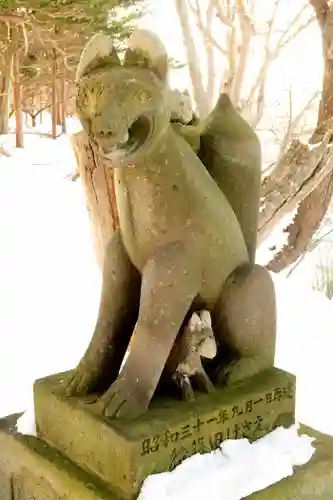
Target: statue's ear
[[194, 322], [206, 318], [145, 49], [98, 51]]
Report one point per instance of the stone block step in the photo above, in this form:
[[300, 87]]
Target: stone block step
[[32, 470], [124, 453]]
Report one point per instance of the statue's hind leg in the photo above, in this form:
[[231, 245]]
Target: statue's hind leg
[[245, 319], [117, 315]]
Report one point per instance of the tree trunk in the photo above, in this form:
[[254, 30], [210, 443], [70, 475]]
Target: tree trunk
[[98, 184], [17, 89], [324, 15], [41, 104], [4, 105], [58, 106], [313, 207], [5, 86], [199, 93], [54, 110], [63, 111]]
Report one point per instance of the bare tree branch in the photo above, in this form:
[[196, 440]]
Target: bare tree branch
[[210, 56], [247, 32], [192, 57], [298, 174], [288, 36], [206, 30], [294, 122], [292, 30], [227, 21], [306, 222]]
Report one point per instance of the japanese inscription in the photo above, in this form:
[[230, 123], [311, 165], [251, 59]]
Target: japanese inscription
[[199, 435]]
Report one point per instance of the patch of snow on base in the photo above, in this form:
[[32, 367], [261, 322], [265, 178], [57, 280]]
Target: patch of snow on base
[[235, 470], [26, 424]]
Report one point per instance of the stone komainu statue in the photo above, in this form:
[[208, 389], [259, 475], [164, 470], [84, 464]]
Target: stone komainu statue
[[188, 202]]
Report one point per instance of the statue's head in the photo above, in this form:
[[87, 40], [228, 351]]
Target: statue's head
[[123, 106]]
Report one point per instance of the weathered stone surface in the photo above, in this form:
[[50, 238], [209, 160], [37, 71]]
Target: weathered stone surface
[[31, 470], [313, 481], [124, 453]]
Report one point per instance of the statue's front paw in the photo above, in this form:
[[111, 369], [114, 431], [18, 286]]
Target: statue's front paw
[[83, 380], [120, 402]]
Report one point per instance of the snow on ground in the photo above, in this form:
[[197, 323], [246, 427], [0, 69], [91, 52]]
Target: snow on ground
[[260, 464], [50, 286]]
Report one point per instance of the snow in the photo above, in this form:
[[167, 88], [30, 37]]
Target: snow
[[50, 285], [49, 295], [260, 464]]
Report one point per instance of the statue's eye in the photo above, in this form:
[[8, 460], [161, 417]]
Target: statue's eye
[[145, 96], [104, 133]]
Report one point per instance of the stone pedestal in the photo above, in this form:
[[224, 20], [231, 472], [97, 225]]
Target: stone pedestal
[[313, 481], [32, 470], [79, 455], [123, 454]]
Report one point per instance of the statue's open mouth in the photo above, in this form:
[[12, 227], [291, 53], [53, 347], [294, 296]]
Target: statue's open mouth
[[132, 141]]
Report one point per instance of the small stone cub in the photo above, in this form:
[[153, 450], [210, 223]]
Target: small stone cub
[[196, 341]]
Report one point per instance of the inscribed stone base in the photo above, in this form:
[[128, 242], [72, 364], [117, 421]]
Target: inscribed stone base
[[313, 481], [124, 453], [31, 470]]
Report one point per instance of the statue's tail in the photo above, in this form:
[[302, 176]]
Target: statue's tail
[[231, 152]]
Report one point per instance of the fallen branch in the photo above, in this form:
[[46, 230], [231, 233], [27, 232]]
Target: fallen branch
[[305, 224], [298, 173]]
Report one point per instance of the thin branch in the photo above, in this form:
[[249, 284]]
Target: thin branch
[[247, 32], [268, 58], [270, 55], [205, 30], [290, 126], [228, 80], [294, 122], [192, 57], [210, 55], [285, 40], [260, 104], [227, 21]]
